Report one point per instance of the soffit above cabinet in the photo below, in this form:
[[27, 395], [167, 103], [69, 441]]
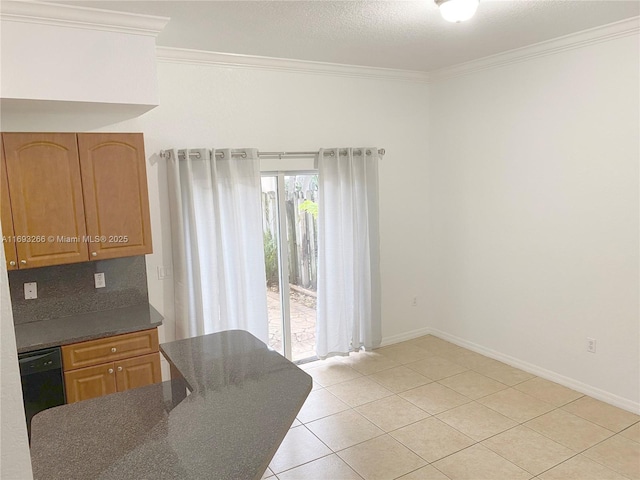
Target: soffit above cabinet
[[60, 60]]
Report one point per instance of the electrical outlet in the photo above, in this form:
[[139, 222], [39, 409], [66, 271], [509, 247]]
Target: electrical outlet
[[99, 280], [414, 302], [591, 345], [30, 290]]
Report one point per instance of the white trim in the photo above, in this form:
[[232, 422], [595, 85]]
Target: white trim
[[403, 337], [200, 57], [580, 39], [603, 33], [592, 391], [81, 17]]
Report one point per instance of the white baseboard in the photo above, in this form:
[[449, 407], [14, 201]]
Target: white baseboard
[[403, 337], [568, 382], [590, 390]]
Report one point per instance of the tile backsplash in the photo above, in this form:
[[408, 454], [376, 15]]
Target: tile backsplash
[[65, 290]]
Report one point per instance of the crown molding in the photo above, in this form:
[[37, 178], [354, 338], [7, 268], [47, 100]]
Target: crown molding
[[81, 17], [572, 41], [200, 57]]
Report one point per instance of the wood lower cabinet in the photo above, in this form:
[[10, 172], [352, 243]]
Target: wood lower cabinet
[[109, 349], [90, 382], [113, 364], [138, 372]]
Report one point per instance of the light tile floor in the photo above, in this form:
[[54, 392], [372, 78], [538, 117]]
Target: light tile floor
[[429, 410]]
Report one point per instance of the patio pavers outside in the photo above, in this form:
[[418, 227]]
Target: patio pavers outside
[[303, 327]]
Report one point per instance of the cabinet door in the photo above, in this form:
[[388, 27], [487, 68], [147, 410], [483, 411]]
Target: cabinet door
[[43, 173], [116, 200], [138, 372], [5, 216], [90, 382]]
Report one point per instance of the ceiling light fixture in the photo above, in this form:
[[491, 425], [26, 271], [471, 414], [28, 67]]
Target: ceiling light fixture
[[457, 10]]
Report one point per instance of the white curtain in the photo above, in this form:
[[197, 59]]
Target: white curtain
[[216, 232], [348, 307]]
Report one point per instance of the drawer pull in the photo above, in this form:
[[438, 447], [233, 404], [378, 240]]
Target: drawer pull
[[110, 370], [113, 349], [119, 369]]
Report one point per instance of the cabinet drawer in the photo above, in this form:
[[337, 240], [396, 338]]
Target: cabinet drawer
[[103, 350]]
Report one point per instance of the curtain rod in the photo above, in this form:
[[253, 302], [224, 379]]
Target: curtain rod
[[381, 151]]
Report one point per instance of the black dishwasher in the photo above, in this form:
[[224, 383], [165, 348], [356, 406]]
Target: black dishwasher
[[42, 381]]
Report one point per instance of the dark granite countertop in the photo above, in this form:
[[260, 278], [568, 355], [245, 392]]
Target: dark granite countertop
[[86, 326], [244, 397]]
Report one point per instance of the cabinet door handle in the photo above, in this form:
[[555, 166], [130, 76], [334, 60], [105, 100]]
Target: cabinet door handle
[[12, 263], [119, 369], [23, 262], [110, 370], [94, 254], [113, 349]]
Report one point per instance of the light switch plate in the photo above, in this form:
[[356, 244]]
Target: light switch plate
[[30, 290], [164, 272], [99, 280]]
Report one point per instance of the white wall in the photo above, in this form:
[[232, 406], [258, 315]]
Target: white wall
[[216, 106], [15, 462], [207, 106], [272, 110], [534, 218], [76, 64]]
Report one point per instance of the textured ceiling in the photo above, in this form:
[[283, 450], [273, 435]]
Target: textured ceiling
[[408, 35]]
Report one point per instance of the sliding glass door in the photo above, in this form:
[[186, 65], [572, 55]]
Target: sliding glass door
[[289, 221]]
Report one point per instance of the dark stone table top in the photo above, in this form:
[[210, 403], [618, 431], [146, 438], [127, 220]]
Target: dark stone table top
[[86, 326], [244, 397]]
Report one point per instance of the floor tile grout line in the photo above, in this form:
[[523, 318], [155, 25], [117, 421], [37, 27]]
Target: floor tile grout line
[[627, 428], [551, 439], [558, 464], [315, 459], [476, 444], [449, 409], [480, 442], [586, 420], [554, 407], [523, 424], [336, 451], [589, 420], [304, 463], [596, 460]]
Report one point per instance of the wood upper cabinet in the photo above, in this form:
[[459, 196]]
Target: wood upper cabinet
[[73, 197], [115, 193], [45, 188], [112, 364], [6, 219]]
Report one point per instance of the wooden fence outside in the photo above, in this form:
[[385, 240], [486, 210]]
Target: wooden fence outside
[[302, 228]]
